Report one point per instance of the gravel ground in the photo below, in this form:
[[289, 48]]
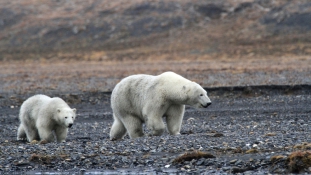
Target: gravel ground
[[243, 129]]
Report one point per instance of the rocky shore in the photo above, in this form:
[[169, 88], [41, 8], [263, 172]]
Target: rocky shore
[[250, 130]]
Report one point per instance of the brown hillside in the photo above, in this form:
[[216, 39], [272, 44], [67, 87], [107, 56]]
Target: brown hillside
[[92, 44], [162, 29]]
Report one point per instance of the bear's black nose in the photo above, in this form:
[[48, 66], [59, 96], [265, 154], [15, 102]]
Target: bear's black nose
[[207, 104], [70, 125]]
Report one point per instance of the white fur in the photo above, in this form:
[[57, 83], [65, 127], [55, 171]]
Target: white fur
[[139, 99], [41, 115]]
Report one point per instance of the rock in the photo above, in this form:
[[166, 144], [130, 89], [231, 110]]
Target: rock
[[200, 162], [42, 142], [226, 168], [233, 161], [187, 166], [34, 142]]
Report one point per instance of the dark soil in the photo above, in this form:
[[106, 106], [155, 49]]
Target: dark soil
[[243, 128]]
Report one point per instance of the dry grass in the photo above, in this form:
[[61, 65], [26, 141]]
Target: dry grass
[[303, 146], [237, 150], [251, 151], [42, 159], [75, 76], [299, 161], [188, 156], [276, 158], [270, 134]]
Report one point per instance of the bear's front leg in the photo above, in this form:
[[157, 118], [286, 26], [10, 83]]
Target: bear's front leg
[[61, 134], [174, 116]]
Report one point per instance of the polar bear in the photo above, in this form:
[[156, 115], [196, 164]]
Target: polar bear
[[141, 98], [41, 116]]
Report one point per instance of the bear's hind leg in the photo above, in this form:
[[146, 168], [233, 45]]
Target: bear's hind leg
[[133, 126], [21, 134], [117, 130], [155, 125], [31, 133]]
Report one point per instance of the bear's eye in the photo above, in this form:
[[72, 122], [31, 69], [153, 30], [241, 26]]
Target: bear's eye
[[66, 117], [201, 95]]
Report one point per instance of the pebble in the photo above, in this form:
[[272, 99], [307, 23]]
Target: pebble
[[233, 161]]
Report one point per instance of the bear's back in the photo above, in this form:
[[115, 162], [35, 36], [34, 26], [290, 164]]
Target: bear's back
[[36, 100], [131, 92], [171, 77], [133, 84], [33, 105], [57, 102]]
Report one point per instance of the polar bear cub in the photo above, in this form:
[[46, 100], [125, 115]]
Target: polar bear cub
[[41, 117], [139, 99]]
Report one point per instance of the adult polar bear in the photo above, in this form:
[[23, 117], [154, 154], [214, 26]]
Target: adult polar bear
[[139, 99], [41, 115]]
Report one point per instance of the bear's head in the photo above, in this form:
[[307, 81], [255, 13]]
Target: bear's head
[[66, 116], [196, 96]]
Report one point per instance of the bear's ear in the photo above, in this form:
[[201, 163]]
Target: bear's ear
[[58, 110], [74, 110], [185, 88]]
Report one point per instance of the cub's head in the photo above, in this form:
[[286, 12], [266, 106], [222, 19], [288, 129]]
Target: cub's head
[[66, 116], [196, 96]]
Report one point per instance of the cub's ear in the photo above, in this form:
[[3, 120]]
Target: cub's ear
[[58, 110], [74, 110]]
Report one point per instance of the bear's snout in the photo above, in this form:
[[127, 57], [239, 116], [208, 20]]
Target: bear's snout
[[70, 125], [207, 104]]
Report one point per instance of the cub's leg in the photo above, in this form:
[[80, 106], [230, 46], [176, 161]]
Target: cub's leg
[[27, 128], [46, 134], [61, 134], [32, 133], [21, 134]]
